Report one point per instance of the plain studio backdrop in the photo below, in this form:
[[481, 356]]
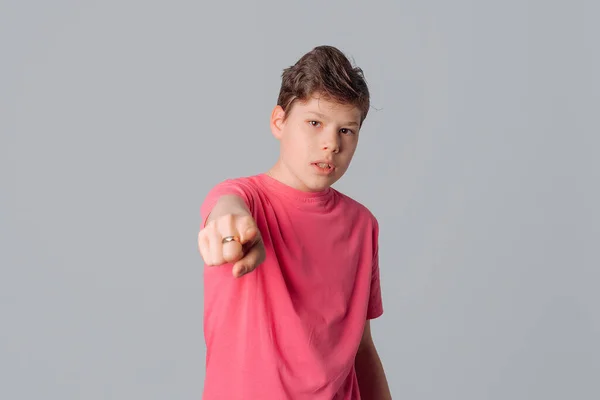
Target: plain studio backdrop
[[479, 158]]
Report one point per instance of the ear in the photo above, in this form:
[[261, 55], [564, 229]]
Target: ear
[[277, 121]]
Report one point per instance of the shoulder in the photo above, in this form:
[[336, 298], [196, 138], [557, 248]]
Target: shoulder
[[245, 187], [242, 181], [355, 207], [362, 218]]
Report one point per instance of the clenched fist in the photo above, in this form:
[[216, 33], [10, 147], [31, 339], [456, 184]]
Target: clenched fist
[[232, 238]]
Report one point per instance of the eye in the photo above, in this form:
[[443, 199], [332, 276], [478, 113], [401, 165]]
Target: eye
[[314, 123], [347, 131]]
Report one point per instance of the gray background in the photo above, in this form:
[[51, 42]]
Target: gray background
[[479, 157]]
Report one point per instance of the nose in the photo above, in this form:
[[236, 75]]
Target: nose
[[331, 142]]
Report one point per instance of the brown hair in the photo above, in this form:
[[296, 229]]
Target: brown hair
[[325, 70]]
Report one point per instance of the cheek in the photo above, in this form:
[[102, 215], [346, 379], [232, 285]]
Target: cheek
[[300, 142], [293, 147], [351, 144]]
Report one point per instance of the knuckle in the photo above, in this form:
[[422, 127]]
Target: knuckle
[[215, 237], [208, 225], [246, 220], [222, 259], [226, 219]]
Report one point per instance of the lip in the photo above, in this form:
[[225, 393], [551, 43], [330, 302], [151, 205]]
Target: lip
[[325, 162], [321, 171]]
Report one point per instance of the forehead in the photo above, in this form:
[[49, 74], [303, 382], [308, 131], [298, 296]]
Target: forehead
[[322, 105]]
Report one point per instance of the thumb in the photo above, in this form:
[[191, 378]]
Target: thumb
[[249, 236]]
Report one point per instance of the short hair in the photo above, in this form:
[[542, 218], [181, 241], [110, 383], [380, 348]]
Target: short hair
[[325, 70]]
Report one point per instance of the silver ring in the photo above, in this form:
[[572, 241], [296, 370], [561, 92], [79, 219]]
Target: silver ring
[[228, 239]]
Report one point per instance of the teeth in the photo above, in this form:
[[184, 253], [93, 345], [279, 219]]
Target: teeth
[[323, 165]]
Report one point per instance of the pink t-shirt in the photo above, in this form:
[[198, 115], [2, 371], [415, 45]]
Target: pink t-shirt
[[291, 328]]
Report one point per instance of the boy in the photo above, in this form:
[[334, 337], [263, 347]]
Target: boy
[[292, 274]]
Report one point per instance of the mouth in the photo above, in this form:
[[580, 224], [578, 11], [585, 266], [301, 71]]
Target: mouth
[[324, 166]]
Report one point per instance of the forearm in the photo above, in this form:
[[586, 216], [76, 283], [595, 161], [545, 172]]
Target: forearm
[[371, 376], [226, 205]]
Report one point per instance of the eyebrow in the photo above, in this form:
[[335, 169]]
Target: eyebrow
[[322, 116]]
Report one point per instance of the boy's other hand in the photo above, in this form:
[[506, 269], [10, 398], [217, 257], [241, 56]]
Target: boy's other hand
[[246, 251]]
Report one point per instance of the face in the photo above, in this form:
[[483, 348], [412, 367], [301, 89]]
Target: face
[[317, 141]]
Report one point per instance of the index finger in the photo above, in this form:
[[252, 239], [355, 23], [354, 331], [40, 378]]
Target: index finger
[[247, 229]]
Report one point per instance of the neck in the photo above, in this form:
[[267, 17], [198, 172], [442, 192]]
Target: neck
[[280, 172], [285, 175]]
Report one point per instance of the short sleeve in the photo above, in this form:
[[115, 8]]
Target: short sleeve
[[375, 307], [228, 187]]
